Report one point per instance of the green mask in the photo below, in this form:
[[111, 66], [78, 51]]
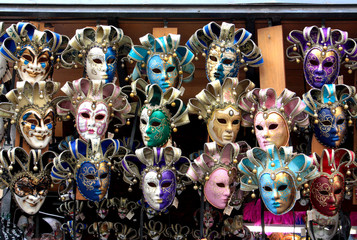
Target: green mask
[[158, 130]]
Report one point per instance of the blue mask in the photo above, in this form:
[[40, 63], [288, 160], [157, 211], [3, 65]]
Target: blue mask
[[111, 61], [278, 192], [331, 128], [93, 180], [163, 73], [101, 65]]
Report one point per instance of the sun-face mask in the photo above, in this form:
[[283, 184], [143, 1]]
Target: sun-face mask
[[273, 117], [226, 50], [27, 176], [94, 105], [159, 170], [75, 232], [327, 191], [161, 113], [101, 230], [89, 164], [163, 60], [33, 109], [97, 49], [218, 106], [323, 50], [320, 226], [34, 52], [278, 174], [331, 109], [216, 171]]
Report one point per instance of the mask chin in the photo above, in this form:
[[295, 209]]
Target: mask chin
[[30, 204]]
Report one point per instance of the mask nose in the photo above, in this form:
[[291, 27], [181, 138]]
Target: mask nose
[[319, 71]]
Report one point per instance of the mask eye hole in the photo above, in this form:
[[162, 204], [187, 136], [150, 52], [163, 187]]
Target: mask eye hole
[[166, 184], [282, 187], [325, 193], [85, 115], [221, 185], [326, 123], [143, 121], [43, 59], [273, 126], [213, 58], [235, 122], [156, 70], [99, 117], [170, 69], [329, 227], [267, 188], [47, 121], [338, 191], [104, 175], [97, 61], [340, 121], [155, 124], [32, 121], [222, 120], [27, 57], [152, 184], [90, 177], [314, 62], [259, 127], [111, 60], [328, 64], [227, 61]]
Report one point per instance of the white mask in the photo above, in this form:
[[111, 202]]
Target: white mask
[[92, 120], [3, 67], [100, 65], [144, 121], [322, 227]]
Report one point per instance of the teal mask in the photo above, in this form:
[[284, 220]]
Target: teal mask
[[158, 130]]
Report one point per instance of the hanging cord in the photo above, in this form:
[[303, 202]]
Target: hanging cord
[[262, 219], [201, 214], [133, 130], [75, 210], [294, 223]]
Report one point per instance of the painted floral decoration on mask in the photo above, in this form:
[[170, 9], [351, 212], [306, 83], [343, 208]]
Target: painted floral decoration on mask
[[33, 52], [27, 176], [273, 117], [336, 169], [75, 232], [278, 174], [226, 50], [320, 226], [94, 105], [158, 170], [323, 50], [332, 109], [97, 49], [100, 230], [216, 170], [89, 164], [163, 61], [161, 113], [218, 106], [32, 108]]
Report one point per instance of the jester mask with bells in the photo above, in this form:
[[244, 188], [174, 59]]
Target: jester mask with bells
[[27, 176], [327, 191], [163, 60], [100, 230], [97, 49], [90, 166], [5, 73], [273, 117], [217, 171], [94, 105], [278, 174], [33, 52], [331, 110], [161, 113], [74, 229], [159, 170], [33, 110], [323, 50], [226, 50], [218, 105], [320, 226]]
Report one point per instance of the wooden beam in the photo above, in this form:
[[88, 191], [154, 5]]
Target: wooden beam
[[160, 32]]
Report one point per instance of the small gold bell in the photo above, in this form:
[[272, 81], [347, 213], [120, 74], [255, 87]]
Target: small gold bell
[[253, 195], [173, 104], [294, 48]]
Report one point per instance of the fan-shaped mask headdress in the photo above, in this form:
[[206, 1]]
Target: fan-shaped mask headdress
[[34, 52], [93, 104], [27, 176], [90, 165], [216, 170], [163, 61], [33, 109], [226, 50], [159, 170], [330, 107], [278, 174], [97, 49], [273, 117], [323, 50], [218, 105], [74, 229], [5, 74]]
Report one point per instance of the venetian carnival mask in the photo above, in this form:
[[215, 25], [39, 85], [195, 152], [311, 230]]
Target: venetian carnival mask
[[74, 231], [321, 227], [225, 49], [273, 117], [327, 191], [323, 50], [278, 173], [95, 106], [28, 176], [330, 108], [217, 172], [102, 208], [158, 169], [163, 60], [33, 51], [97, 49], [100, 228], [90, 164]]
